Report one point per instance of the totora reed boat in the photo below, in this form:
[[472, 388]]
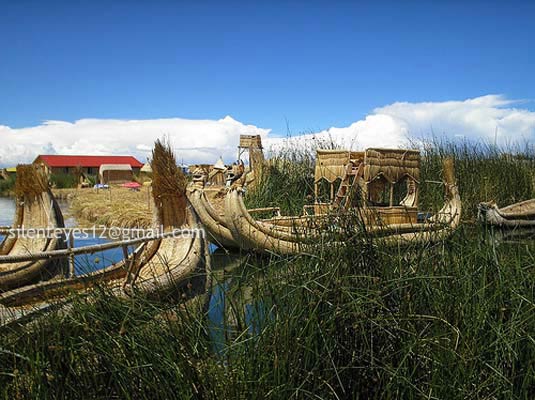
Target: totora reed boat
[[209, 187], [177, 261], [377, 195], [36, 210], [518, 215]]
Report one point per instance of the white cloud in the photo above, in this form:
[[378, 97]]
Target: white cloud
[[205, 140], [376, 130], [193, 140], [479, 118], [399, 124]]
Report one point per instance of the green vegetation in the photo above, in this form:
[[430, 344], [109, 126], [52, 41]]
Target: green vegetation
[[63, 181], [7, 186], [483, 172], [287, 182], [91, 180], [452, 320]]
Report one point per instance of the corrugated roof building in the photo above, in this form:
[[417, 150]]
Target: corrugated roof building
[[87, 165]]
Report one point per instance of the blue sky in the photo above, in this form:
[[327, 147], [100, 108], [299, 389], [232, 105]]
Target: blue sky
[[313, 64]]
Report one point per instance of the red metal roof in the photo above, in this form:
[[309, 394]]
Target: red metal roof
[[86, 161]]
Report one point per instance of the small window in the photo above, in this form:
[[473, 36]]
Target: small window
[[379, 191], [401, 190]]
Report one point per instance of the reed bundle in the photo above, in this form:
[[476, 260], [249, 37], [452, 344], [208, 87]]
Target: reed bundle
[[168, 187], [31, 182]]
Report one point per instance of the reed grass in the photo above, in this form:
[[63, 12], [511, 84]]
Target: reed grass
[[168, 186], [31, 182], [450, 320], [120, 208]]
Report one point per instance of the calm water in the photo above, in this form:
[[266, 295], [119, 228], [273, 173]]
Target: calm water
[[83, 263], [7, 211], [224, 266]]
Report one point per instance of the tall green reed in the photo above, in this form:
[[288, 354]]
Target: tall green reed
[[447, 320]]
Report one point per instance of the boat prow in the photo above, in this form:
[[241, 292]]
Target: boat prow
[[518, 215], [177, 261], [213, 221], [37, 213]]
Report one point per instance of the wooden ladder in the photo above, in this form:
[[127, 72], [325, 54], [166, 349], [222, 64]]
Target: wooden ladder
[[349, 180]]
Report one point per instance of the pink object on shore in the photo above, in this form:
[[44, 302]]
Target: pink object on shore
[[131, 185]]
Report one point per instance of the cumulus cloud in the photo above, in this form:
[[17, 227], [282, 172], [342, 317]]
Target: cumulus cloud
[[376, 130], [193, 140], [487, 118]]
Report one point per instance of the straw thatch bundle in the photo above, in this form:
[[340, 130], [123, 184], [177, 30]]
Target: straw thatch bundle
[[332, 164], [168, 187], [31, 182], [393, 164]]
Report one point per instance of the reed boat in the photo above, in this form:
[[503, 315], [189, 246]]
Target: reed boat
[[210, 184], [213, 220], [377, 195], [171, 264], [518, 215], [37, 210]]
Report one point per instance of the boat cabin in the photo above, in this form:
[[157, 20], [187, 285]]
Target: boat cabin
[[383, 182]]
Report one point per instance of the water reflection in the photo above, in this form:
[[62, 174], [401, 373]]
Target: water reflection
[[512, 236], [232, 308]]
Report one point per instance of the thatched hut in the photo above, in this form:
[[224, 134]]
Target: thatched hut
[[115, 173], [217, 173], [146, 169]]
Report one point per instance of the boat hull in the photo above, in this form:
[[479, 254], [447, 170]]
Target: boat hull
[[518, 215], [41, 212], [214, 222], [266, 236]]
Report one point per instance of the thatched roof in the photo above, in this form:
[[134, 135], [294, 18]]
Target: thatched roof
[[146, 168], [393, 164], [331, 164], [114, 167], [251, 141], [220, 165]]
